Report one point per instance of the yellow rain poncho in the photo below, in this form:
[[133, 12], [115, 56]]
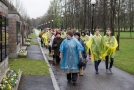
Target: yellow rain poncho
[[109, 45], [63, 35], [95, 44], [85, 40], [45, 38]]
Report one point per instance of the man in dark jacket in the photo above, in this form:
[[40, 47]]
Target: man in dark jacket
[[77, 36]]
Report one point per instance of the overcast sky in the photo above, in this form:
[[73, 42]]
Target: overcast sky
[[36, 8]]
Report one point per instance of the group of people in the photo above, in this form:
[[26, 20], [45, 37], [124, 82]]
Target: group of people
[[72, 48]]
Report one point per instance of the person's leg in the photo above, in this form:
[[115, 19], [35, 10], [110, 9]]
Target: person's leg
[[74, 78], [41, 42], [96, 66], [106, 63], [89, 54], [69, 77], [81, 71], [57, 59], [99, 62], [49, 49], [111, 64]]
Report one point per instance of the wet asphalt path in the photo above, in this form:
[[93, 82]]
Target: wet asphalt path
[[119, 80]]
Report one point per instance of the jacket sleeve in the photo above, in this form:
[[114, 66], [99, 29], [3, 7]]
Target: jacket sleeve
[[84, 52], [53, 42]]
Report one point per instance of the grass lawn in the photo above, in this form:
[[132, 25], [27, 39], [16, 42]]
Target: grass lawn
[[124, 58], [34, 43], [30, 66], [32, 36]]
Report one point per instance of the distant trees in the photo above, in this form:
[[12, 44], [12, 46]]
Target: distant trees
[[77, 14]]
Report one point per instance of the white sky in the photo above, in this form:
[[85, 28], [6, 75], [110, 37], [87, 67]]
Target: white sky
[[36, 8]]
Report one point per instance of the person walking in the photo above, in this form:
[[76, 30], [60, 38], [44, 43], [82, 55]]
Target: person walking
[[109, 47], [63, 34], [77, 36], [95, 46], [51, 42], [56, 45], [70, 54]]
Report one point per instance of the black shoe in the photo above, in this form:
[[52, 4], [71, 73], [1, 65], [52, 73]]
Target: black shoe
[[74, 83], [97, 72], [69, 81]]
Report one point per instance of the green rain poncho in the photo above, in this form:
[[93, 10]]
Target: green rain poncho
[[45, 38], [95, 46], [63, 35], [85, 40], [109, 45]]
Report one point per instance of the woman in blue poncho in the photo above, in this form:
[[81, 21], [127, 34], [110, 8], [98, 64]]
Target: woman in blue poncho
[[70, 54]]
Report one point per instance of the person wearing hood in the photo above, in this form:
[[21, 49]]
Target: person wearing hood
[[77, 36], [70, 54], [85, 39]]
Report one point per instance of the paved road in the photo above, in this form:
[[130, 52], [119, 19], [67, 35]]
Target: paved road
[[119, 80]]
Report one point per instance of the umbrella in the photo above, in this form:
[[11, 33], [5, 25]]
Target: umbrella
[[47, 28]]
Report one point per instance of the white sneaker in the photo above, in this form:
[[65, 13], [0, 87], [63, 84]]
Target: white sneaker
[[107, 71], [110, 70]]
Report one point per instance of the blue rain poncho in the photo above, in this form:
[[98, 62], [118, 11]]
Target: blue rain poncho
[[70, 57]]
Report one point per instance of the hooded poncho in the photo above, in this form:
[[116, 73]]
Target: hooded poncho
[[70, 57]]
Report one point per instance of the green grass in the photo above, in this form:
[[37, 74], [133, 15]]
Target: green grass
[[32, 36], [124, 58], [30, 66], [34, 43]]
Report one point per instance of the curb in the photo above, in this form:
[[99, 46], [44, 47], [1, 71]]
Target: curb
[[55, 84]]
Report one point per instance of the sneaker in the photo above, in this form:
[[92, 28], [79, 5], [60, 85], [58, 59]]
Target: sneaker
[[107, 71], [110, 70]]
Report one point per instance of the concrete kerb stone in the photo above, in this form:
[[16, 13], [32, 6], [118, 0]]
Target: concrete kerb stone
[[55, 84]]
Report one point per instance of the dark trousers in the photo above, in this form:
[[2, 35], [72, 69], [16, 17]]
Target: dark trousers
[[111, 62], [57, 59], [89, 52], [96, 64], [50, 48], [41, 42], [72, 76]]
